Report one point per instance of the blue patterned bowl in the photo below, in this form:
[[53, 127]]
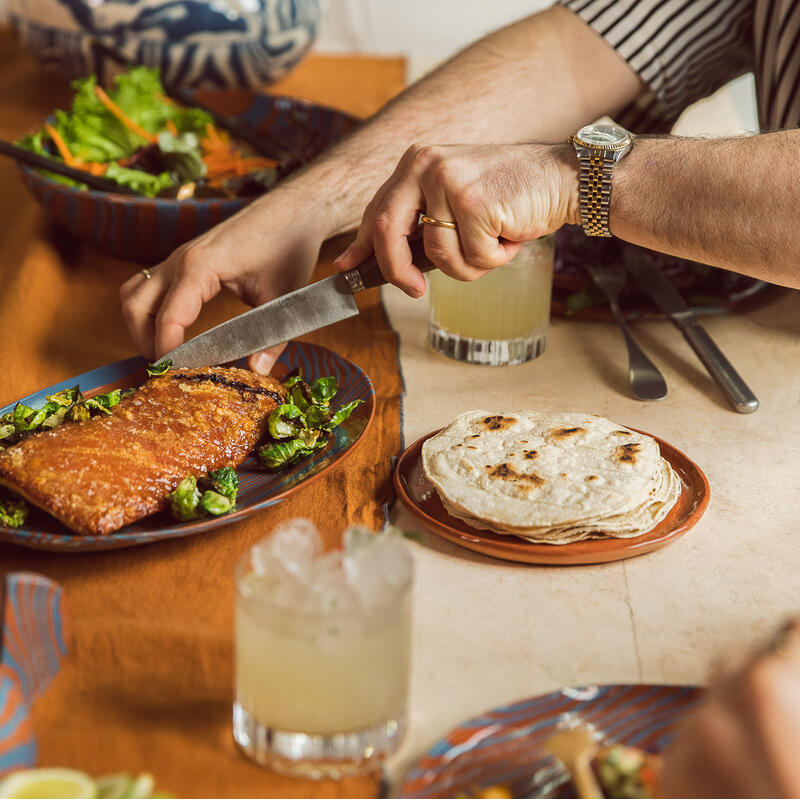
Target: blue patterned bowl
[[147, 230], [212, 43]]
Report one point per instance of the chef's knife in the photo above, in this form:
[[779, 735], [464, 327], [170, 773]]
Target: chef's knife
[[287, 317], [650, 277]]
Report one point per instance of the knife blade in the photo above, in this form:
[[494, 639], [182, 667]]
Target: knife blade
[[289, 316], [650, 277]]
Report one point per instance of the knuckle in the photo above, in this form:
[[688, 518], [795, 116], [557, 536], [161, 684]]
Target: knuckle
[[757, 685], [383, 222], [467, 200], [425, 155]]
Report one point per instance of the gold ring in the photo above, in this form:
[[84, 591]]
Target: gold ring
[[784, 640], [147, 273], [442, 223]]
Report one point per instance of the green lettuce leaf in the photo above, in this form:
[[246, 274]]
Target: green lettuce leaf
[[142, 182]]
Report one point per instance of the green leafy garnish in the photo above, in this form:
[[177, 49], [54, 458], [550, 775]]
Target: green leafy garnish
[[154, 370], [323, 390], [302, 425], [285, 421], [225, 481], [185, 500], [68, 404], [13, 511], [342, 414], [193, 498]]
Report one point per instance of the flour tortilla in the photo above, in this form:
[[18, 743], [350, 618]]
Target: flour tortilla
[[555, 478]]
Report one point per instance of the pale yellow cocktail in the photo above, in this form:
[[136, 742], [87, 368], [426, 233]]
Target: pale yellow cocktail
[[499, 319], [322, 658]]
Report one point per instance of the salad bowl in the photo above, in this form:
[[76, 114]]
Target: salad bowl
[[147, 229]]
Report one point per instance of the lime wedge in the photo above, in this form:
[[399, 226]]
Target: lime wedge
[[114, 786], [55, 783], [141, 788]]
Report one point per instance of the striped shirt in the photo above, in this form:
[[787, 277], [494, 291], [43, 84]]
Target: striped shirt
[[684, 50]]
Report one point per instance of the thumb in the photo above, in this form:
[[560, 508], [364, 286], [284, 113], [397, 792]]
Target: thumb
[[263, 361]]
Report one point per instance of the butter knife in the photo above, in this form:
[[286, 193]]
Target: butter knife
[[653, 281], [289, 316]]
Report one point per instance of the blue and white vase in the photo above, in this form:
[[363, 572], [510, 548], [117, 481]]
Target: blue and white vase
[[206, 43]]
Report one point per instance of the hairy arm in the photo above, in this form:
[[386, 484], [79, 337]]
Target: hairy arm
[[522, 82], [729, 202]]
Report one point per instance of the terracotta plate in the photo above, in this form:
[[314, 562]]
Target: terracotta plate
[[258, 489], [505, 745], [419, 496]]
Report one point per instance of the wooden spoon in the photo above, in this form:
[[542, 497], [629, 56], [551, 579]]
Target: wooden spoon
[[575, 749]]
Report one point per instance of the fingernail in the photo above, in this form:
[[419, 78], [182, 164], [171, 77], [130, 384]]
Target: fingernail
[[262, 364]]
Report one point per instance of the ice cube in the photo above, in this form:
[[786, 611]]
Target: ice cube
[[378, 566], [292, 546]]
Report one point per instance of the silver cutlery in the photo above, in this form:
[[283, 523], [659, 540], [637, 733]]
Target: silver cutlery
[[646, 380], [665, 295]]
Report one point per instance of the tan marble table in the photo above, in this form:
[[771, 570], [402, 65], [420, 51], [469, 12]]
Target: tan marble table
[[488, 632]]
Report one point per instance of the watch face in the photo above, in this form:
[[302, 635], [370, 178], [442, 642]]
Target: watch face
[[608, 136]]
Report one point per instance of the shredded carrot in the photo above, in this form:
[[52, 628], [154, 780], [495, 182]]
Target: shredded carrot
[[172, 127], [123, 117], [213, 134], [60, 144]]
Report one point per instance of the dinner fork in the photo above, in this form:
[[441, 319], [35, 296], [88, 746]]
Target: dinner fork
[[646, 380]]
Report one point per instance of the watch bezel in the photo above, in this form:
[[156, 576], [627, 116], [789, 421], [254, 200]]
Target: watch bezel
[[619, 145]]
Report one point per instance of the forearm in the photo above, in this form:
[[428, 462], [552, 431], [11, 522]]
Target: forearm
[[732, 203], [518, 83]]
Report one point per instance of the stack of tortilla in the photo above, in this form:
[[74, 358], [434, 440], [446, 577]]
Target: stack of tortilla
[[550, 478]]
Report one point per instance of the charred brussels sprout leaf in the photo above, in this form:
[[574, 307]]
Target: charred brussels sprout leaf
[[224, 481], [317, 417], [300, 395], [281, 454], [154, 370], [295, 376], [185, 500], [104, 402], [13, 511], [324, 389], [342, 414], [215, 503], [285, 421]]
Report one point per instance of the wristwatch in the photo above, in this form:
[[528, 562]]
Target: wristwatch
[[598, 147]]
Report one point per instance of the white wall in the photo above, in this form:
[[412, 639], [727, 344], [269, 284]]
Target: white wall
[[428, 31]]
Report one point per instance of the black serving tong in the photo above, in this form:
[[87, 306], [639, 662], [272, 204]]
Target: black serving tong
[[263, 143], [60, 168]]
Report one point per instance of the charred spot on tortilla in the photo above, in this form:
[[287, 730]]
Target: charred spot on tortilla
[[622, 433], [497, 422], [565, 433], [530, 454], [471, 447], [507, 473], [592, 477], [475, 436], [626, 453]]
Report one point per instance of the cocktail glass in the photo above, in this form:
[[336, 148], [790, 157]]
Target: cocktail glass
[[322, 651], [500, 318]]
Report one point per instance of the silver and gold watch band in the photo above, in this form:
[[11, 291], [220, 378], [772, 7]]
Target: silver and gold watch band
[[594, 186], [598, 147]]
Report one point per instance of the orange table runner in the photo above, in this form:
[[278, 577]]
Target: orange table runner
[[148, 681]]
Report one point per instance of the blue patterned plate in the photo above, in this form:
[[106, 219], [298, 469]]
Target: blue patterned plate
[[505, 746], [258, 489], [32, 645]]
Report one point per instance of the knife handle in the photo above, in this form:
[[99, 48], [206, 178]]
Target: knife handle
[[722, 371], [368, 274]]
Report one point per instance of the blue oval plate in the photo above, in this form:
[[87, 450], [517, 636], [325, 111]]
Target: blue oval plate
[[259, 489], [505, 746]]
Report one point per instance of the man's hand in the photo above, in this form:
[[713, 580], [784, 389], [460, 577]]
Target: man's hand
[[497, 195], [742, 741], [266, 250]]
